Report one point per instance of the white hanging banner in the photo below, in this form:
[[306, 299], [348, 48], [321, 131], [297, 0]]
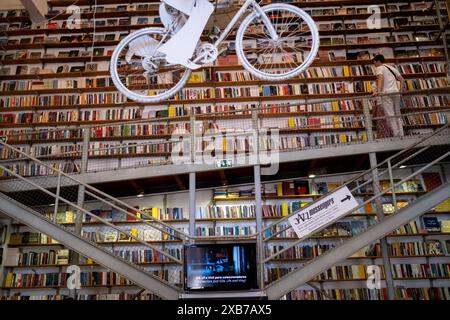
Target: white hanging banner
[[332, 207]]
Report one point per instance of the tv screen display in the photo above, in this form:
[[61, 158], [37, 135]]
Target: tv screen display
[[220, 267]]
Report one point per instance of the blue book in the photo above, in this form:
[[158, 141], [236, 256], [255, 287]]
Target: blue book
[[431, 224]]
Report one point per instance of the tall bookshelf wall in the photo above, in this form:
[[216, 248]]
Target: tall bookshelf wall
[[420, 257], [53, 76], [31, 101]]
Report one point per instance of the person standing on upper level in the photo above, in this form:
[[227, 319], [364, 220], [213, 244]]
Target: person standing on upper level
[[387, 82]]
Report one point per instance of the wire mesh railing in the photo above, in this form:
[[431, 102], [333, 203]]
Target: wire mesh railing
[[127, 232], [383, 191], [161, 243], [240, 133]]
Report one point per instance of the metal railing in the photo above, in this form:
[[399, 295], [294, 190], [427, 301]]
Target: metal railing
[[234, 134], [385, 189], [163, 239]]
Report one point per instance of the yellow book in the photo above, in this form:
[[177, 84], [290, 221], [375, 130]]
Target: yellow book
[[279, 189], [336, 122], [443, 207], [171, 112], [335, 106], [285, 209], [346, 71], [155, 213], [445, 226], [343, 138], [291, 123], [9, 280], [70, 217], [196, 77]]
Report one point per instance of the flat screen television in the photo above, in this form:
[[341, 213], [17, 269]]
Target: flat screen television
[[220, 267]]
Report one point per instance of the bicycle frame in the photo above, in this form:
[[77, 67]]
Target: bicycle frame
[[257, 9]]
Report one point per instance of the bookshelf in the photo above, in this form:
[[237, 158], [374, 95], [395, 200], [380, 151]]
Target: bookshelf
[[228, 211], [37, 61]]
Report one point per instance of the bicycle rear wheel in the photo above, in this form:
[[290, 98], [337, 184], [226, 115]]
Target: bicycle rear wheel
[[280, 59], [143, 74]]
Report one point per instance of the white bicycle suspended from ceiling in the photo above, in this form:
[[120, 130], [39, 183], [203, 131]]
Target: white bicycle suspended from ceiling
[[275, 42]]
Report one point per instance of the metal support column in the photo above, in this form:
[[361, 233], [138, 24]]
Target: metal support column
[[192, 176], [192, 191], [258, 202], [378, 204], [443, 33], [80, 199], [259, 224]]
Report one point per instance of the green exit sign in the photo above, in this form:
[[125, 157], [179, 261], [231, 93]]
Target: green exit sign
[[226, 163]]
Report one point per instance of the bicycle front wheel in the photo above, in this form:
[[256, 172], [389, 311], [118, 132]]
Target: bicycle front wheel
[[143, 74], [285, 57]]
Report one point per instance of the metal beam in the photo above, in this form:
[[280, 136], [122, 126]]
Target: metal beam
[[77, 243], [192, 202], [297, 278], [393, 144]]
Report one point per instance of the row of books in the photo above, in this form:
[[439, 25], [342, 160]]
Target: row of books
[[214, 212], [298, 252], [232, 92], [351, 10], [424, 270], [429, 83], [51, 279], [31, 258], [410, 68], [351, 272], [435, 293], [225, 231], [322, 122], [339, 294], [113, 8], [105, 296], [389, 53], [426, 101], [239, 76], [420, 248], [35, 169], [147, 256], [62, 100], [129, 234], [127, 149], [426, 119], [71, 116], [18, 238]]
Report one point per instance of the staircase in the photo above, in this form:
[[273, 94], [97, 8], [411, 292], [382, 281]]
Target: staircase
[[421, 157], [31, 208]]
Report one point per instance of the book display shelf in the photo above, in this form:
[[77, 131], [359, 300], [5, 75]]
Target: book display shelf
[[52, 76], [419, 252]]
